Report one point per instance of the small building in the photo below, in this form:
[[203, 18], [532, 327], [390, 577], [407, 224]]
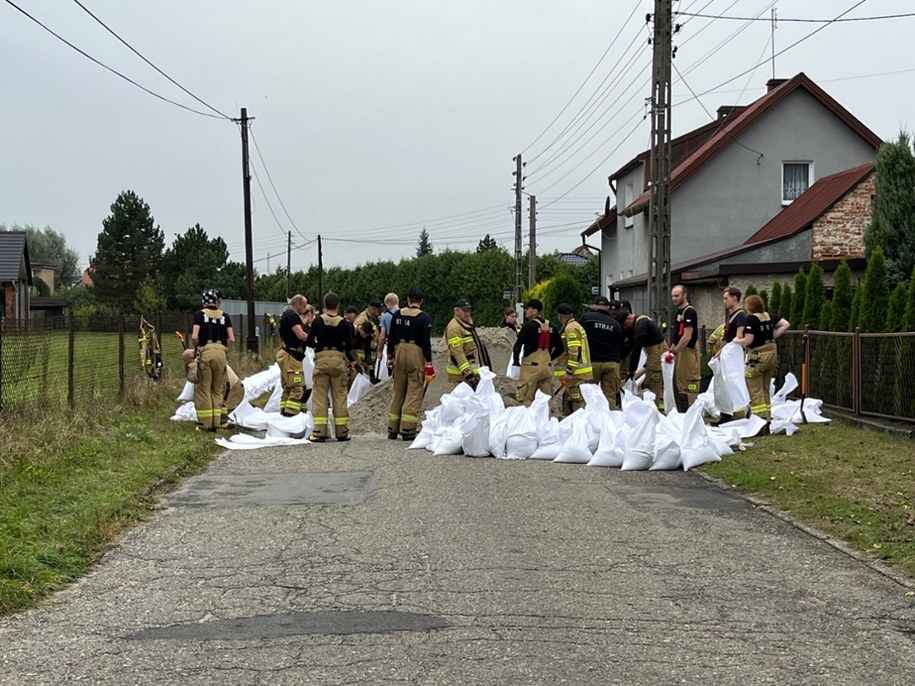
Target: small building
[[15, 275]]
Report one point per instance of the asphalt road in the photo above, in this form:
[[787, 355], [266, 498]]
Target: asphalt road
[[363, 562]]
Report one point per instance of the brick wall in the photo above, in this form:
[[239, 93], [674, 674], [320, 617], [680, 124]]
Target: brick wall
[[840, 232]]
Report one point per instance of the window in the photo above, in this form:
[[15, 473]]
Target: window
[[795, 180]]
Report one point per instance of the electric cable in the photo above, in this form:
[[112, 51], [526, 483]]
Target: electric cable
[[272, 185]]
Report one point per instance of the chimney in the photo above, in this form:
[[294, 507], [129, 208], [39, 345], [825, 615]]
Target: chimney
[[772, 84], [728, 111]]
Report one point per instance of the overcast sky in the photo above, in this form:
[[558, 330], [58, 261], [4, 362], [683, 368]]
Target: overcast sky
[[394, 113]]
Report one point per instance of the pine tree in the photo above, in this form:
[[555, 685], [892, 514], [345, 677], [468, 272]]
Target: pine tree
[[825, 320], [425, 246], [841, 298], [854, 315], [908, 320], [487, 243], [892, 226], [876, 296], [128, 254], [775, 302], [784, 307], [764, 294], [814, 297], [797, 300], [896, 310], [750, 290]]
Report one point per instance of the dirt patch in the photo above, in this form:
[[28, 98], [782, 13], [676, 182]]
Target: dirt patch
[[370, 415]]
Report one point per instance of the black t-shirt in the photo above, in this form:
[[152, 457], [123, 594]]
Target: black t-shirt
[[529, 340], [762, 327], [331, 333], [214, 326], [411, 325], [685, 317], [605, 336], [735, 321], [645, 334], [289, 320]]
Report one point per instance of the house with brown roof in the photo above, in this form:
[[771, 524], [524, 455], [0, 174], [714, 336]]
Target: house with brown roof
[[738, 184]]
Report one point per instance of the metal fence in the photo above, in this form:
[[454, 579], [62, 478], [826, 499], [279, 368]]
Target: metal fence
[[80, 361]]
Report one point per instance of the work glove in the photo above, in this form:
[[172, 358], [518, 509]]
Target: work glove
[[429, 373]]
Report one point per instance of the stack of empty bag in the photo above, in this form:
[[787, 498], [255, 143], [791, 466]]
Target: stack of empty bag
[[477, 423]]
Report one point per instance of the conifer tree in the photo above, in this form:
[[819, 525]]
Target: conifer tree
[[908, 320], [750, 290], [814, 297], [784, 307], [825, 320], [841, 298], [797, 300], [896, 309], [892, 226], [775, 301], [876, 296], [764, 294], [854, 314]]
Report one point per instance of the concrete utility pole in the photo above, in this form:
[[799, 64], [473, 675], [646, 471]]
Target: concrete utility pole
[[659, 202], [532, 250], [519, 186], [288, 260], [249, 242], [320, 304]]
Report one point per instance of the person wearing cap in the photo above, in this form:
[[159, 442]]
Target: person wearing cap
[[366, 354], [538, 343], [211, 334], [291, 354], [647, 336], [410, 353], [331, 336], [574, 366], [684, 336], [466, 352], [620, 309], [605, 340]]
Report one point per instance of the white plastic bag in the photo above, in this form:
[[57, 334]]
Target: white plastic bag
[[308, 367], [549, 446], [575, 450], [640, 452], [512, 371], [475, 428], [187, 393], [695, 446], [361, 385], [730, 384], [670, 391], [522, 437], [499, 428], [273, 403], [608, 453]]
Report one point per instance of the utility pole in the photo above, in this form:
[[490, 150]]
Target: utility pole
[[532, 250], [320, 276], [659, 202], [774, 26], [288, 261], [519, 186], [249, 241]]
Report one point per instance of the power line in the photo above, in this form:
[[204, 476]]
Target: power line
[[135, 52], [105, 66], [802, 21], [272, 185], [267, 200]]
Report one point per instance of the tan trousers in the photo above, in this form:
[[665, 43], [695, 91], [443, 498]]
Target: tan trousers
[[292, 379], [407, 398], [654, 381], [686, 377], [607, 374], [211, 389], [572, 398], [536, 375], [761, 365], [330, 375]]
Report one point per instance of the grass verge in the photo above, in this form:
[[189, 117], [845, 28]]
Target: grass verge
[[852, 483], [70, 484]]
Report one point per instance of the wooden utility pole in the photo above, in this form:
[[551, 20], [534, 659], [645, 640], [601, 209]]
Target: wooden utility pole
[[288, 261], [532, 249], [659, 196], [519, 186], [249, 241], [320, 276]]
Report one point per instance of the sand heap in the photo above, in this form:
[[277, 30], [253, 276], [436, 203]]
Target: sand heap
[[370, 414]]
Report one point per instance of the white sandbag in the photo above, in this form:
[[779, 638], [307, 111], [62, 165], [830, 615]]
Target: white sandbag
[[640, 452], [265, 380], [597, 410], [187, 393], [381, 365], [575, 450], [185, 413], [695, 446], [781, 396], [291, 427], [447, 440], [250, 417], [607, 453], [549, 443], [667, 377], [748, 427], [666, 454], [273, 403], [426, 431], [475, 428], [540, 413], [499, 428], [730, 383], [522, 437], [308, 367], [246, 442], [361, 385], [512, 371]]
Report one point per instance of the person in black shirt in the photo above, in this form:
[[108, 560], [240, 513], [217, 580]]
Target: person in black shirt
[[647, 336], [759, 333], [410, 353], [537, 345], [331, 336], [291, 354], [212, 334], [684, 334], [605, 340], [510, 320]]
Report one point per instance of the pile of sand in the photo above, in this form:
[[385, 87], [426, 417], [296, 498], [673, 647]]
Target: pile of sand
[[370, 414]]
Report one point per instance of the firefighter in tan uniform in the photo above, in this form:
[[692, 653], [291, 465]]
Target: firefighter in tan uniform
[[538, 344], [367, 353], [466, 352], [331, 336], [647, 336], [212, 334], [293, 334], [759, 333], [235, 389], [573, 367], [684, 337], [410, 354]]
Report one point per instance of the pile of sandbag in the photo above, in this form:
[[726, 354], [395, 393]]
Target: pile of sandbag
[[477, 423]]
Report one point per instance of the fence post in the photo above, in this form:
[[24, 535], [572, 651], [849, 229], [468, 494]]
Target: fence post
[[121, 356], [71, 344], [856, 371]]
